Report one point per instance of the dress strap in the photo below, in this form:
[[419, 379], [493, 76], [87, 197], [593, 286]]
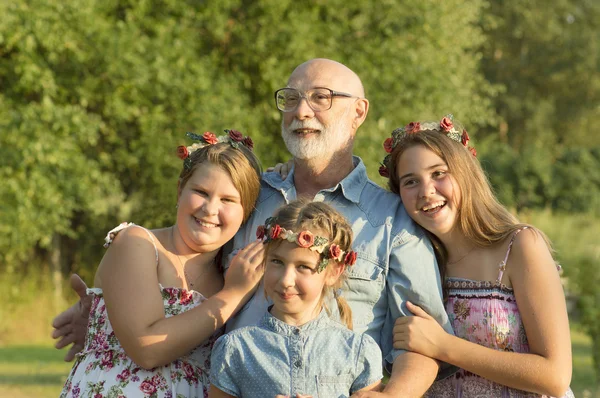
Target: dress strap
[[113, 232], [502, 266]]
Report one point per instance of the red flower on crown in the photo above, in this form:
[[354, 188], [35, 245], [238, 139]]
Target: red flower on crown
[[350, 258], [260, 232], [334, 251], [473, 151], [210, 138], [412, 128], [388, 145], [305, 239], [236, 135], [464, 138], [446, 124], [384, 172], [275, 231], [248, 143], [182, 152]]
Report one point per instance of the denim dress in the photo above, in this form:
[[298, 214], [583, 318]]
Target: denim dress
[[321, 358]]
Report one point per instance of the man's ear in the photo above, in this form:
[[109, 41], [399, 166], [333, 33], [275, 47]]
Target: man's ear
[[361, 111]]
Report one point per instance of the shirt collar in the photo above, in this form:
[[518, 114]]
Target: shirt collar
[[352, 185], [271, 323]]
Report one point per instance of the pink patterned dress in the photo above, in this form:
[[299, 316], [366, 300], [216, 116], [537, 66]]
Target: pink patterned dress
[[103, 369], [485, 313]]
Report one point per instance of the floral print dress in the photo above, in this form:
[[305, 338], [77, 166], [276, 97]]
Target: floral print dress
[[103, 369], [484, 313]]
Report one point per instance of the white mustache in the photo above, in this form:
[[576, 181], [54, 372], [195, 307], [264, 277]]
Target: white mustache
[[306, 124]]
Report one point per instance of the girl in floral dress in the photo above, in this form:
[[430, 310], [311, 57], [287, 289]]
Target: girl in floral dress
[[503, 291], [160, 299]]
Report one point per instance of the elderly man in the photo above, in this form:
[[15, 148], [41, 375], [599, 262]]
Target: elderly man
[[323, 105]]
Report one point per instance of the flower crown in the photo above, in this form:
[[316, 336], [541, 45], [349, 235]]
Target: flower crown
[[446, 126], [306, 239], [233, 137]]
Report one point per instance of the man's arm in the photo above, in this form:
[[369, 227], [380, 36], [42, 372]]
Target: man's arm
[[412, 374], [413, 276], [70, 326]]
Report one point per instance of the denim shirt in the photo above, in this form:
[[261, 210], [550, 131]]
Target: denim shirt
[[321, 358], [395, 260]]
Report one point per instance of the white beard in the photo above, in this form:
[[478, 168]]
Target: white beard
[[323, 144]]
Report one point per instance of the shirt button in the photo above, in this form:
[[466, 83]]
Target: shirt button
[[296, 332], [298, 363]]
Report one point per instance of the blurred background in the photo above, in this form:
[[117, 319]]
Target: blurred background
[[96, 94]]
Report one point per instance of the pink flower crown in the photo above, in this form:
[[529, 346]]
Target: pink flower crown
[[306, 239], [233, 137], [446, 126]]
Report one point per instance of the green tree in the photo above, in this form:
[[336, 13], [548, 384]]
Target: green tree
[[96, 93]]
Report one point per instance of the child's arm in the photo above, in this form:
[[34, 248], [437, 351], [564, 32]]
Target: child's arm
[[134, 302], [540, 298], [214, 392]]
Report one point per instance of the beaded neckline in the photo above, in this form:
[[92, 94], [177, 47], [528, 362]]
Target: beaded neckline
[[464, 283]]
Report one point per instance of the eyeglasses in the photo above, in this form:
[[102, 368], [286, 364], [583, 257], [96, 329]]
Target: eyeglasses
[[318, 99]]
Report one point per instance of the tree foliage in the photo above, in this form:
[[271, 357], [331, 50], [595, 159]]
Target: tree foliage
[[96, 93]]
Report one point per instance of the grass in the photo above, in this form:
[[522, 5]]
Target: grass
[[32, 371], [582, 382]]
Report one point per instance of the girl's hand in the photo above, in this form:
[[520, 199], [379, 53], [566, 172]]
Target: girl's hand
[[282, 168], [420, 333], [246, 270]]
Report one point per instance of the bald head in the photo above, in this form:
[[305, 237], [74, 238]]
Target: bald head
[[321, 72]]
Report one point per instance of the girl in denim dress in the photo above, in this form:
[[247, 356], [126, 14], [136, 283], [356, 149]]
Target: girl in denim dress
[[296, 349], [502, 289]]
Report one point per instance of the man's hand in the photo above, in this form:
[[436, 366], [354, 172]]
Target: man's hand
[[71, 325]]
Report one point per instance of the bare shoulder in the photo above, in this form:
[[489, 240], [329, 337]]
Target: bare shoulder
[[530, 252], [132, 248], [132, 238]]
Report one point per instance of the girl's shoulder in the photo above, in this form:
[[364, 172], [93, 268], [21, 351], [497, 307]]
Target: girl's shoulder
[[131, 235], [529, 251], [527, 241]]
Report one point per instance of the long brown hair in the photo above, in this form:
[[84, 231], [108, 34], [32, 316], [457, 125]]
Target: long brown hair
[[240, 163], [323, 220], [481, 217]]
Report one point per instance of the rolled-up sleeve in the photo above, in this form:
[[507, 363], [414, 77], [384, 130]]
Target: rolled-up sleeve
[[413, 276]]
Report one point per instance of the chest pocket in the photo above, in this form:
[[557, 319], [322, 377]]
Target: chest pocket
[[364, 287], [334, 386]]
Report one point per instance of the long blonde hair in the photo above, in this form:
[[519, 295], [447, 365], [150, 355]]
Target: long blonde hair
[[481, 217], [323, 220]]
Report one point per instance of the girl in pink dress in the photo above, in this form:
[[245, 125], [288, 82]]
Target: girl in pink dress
[[503, 291], [160, 299]]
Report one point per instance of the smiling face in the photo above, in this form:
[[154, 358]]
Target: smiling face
[[210, 211], [293, 283], [310, 134], [430, 194]]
